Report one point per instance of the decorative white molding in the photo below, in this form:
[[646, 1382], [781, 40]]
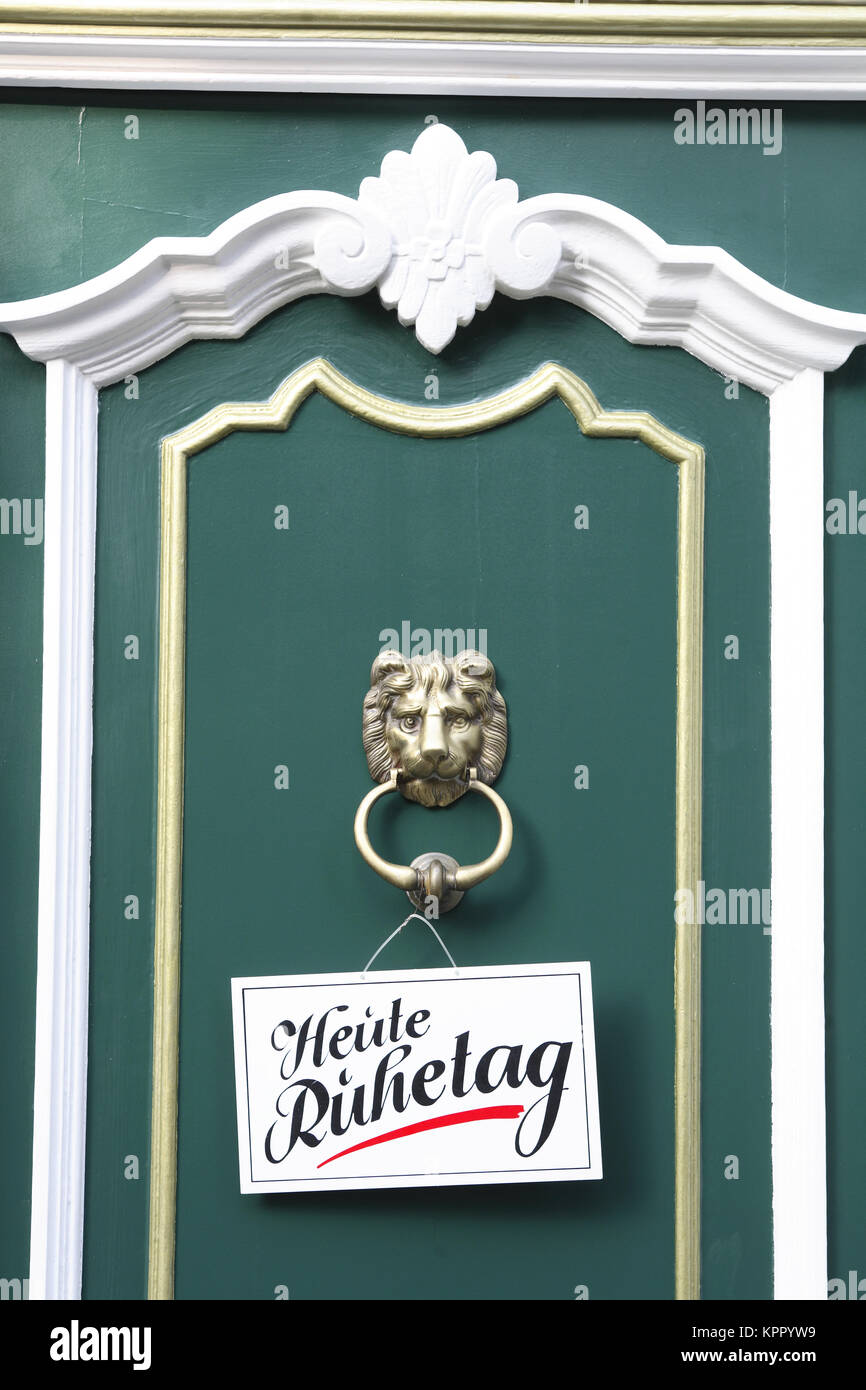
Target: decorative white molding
[[574, 248], [797, 829], [695, 297], [450, 221], [60, 1084], [218, 286], [447, 68], [438, 233]]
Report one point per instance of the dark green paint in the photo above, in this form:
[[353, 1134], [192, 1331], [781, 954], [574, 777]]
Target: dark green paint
[[283, 626], [22, 475], [86, 196], [80, 197]]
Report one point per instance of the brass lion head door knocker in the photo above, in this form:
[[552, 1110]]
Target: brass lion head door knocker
[[434, 728]]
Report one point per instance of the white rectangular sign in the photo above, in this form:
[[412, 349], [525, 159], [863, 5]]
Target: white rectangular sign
[[416, 1078]]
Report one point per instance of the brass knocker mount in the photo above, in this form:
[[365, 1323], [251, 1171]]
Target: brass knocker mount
[[434, 728]]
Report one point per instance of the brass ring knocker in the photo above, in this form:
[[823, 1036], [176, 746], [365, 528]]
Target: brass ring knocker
[[434, 874], [434, 728]]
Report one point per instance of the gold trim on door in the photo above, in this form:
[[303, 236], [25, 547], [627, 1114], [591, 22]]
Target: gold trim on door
[[426, 422], [796, 23]]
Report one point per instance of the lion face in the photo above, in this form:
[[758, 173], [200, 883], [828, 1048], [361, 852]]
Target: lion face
[[434, 719]]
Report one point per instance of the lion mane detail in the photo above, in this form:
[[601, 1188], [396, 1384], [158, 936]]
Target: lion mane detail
[[471, 673]]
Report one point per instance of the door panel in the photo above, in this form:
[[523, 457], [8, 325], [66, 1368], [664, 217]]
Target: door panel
[[282, 628], [475, 533]]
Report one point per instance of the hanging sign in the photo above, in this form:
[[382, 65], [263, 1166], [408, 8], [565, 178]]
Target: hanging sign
[[416, 1078]]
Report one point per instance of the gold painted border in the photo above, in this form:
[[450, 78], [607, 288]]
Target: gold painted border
[[426, 422], [762, 22]]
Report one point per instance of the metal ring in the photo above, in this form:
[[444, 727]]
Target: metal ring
[[410, 879]]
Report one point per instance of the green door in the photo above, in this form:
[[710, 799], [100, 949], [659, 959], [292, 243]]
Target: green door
[[306, 550]]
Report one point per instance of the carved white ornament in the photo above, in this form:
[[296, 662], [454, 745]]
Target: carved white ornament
[[442, 206], [438, 234]]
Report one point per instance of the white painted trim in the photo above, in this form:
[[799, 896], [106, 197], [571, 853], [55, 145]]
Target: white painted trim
[[797, 827], [434, 68], [60, 1084], [580, 249], [178, 288]]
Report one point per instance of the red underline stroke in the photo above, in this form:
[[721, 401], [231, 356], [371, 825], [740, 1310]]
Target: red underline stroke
[[458, 1117]]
